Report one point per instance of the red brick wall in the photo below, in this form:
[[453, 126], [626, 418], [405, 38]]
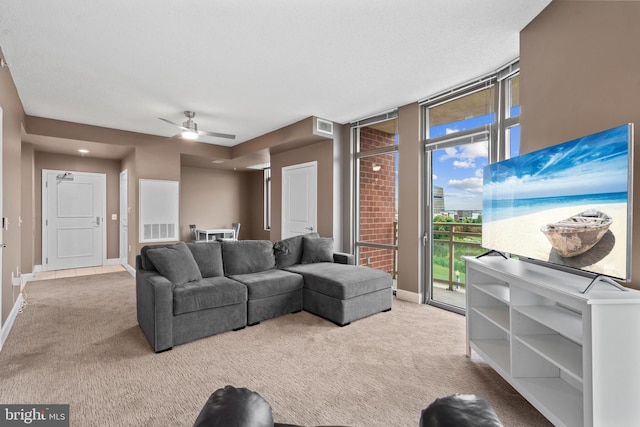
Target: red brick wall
[[377, 199]]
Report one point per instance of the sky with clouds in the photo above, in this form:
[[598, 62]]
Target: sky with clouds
[[594, 164], [458, 170]]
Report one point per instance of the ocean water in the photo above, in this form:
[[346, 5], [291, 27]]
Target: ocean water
[[494, 210]]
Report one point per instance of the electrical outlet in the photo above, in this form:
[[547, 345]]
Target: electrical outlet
[[114, 217], [368, 260]]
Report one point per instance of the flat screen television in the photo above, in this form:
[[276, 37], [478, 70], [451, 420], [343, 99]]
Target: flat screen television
[[569, 204]]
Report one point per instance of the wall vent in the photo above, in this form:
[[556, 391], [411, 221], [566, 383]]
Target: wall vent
[[160, 232], [324, 126]]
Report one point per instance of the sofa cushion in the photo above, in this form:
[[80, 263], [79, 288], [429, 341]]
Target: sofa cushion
[[206, 293], [269, 283], [144, 259], [342, 281], [317, 249], [247, 256], [208, 256], [175, 262], [289, 251]]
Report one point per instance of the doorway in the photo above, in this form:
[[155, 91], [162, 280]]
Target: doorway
[[299, 199], [73, 211]]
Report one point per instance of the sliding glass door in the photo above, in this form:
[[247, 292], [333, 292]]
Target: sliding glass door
[[454, 207], [459, 128]]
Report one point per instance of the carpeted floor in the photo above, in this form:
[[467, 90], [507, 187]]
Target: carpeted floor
[[77, 341]]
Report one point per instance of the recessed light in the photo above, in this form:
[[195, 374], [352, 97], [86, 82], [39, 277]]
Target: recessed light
[[217, 161], [83, 151]]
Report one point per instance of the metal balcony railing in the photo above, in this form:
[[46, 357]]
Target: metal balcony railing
[[451, 241]]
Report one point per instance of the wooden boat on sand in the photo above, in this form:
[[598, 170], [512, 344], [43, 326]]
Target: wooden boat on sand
[[579, 233]]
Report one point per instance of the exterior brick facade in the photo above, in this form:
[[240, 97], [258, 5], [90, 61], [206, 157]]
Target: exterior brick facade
[[378, 214]]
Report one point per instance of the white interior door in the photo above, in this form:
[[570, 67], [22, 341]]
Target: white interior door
[[124, 217], [73, 209], [299, 199]]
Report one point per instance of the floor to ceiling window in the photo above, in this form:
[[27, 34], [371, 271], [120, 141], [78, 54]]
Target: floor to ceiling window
[[465, 129], [376, 196]]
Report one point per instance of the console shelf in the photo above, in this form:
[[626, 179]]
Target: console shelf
[[572, 355]]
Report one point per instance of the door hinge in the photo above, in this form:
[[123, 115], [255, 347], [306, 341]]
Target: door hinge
[[46, 222], [47, 260]]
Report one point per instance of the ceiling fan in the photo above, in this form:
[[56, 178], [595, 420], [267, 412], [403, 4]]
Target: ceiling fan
[[190, 128]]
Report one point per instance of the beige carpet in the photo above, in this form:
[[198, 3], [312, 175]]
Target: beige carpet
[[78, 342]]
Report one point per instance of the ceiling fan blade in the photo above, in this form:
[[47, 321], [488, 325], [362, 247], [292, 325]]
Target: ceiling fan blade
[[200, 132], [174, 123], [216, 134]]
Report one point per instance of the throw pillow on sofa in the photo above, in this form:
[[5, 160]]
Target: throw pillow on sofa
[[208, 256], [317, 249], [288, 251], [247, 256], [176, 263]]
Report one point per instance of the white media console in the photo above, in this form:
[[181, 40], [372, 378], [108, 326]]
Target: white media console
[[574, 356]]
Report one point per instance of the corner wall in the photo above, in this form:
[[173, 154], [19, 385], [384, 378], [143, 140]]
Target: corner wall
[[580, 74]]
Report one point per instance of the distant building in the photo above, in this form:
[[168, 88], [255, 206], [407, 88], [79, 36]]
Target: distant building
[[438, 199]]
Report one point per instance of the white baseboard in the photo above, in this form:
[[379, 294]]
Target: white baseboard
[[27, 277], [130, 269], [409, 296], [8, 324]]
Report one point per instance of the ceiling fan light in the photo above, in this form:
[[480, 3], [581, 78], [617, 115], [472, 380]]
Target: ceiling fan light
[[189, 134]]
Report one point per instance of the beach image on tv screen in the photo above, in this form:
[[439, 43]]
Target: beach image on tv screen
[[567, 204]]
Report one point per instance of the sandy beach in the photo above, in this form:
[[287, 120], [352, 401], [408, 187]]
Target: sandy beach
[[521, 235]]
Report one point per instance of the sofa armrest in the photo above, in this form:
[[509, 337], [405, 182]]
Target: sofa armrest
[[344, 258], [154, 301]]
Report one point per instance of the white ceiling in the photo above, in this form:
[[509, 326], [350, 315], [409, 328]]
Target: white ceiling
[[248, 67]]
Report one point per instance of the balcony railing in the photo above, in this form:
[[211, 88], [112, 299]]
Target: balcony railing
[[451, 241]]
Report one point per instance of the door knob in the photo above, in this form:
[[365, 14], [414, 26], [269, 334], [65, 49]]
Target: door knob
[[309, 228]]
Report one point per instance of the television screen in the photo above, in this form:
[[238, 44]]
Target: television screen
[[569, 204]]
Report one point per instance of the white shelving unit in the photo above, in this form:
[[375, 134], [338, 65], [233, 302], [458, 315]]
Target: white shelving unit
[[574, 356]]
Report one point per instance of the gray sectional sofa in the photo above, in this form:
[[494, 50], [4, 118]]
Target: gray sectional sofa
[[188, 291]]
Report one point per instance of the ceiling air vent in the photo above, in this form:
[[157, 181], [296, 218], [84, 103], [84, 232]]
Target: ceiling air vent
[[324, 126]]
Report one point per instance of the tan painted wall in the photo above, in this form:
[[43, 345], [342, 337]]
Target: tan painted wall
[[12, 120], [254, 228], [410, 154], [129, 164], [322, 152], [215, 198], [79, 164], [27, 201], [580, 74]]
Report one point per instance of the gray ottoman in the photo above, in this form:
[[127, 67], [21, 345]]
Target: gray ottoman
[[344, 293]]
